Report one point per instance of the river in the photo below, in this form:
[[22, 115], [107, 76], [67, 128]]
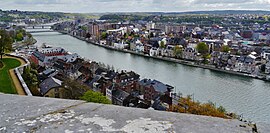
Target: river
[[242, 95]]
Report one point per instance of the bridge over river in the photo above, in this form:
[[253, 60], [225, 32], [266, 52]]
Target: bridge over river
[[38, 28]]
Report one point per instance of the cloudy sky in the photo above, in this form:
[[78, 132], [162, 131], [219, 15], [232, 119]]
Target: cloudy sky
[[90, 6]]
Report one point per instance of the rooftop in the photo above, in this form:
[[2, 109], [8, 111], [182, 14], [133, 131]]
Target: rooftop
[[48, 84], [36, 114]]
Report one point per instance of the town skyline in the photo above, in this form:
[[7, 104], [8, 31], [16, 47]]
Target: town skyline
[[103, 6]]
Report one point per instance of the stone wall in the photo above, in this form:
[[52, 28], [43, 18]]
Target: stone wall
[[19, 71], [37, 114]]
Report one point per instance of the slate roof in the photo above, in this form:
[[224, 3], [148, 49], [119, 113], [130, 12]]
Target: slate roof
[[242, 58], [60, 64], [47, 72], [128, 75], [249, 59], [145, 82], [120, 95], [100, 70], [158, 86], [111, 74], [84, 70], [48, 84], [71, 57], [154, 41], [39, 55], [246, 59], [95, 79]]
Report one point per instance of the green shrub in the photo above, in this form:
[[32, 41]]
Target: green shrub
[[95, 97]]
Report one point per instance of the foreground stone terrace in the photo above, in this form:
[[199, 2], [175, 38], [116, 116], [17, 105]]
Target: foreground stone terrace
[[35, 114]]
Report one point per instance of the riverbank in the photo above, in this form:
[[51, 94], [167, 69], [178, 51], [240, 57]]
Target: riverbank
[[179, 61], [24, 44]]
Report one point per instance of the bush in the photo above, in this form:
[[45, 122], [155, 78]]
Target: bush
[[95, 97], [186, 105]]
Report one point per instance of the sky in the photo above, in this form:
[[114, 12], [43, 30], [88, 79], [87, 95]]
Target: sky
[[93, 6]]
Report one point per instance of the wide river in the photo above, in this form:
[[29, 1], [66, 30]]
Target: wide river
[[242, 95]]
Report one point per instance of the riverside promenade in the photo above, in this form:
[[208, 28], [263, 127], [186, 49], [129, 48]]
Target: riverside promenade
[[184, 62]]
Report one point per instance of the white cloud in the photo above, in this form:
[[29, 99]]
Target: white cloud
[[132, 5]]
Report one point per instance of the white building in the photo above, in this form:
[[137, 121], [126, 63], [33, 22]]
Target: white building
[[102, 42], [150, 25], [120, 45], [139, 48], [153, 52]]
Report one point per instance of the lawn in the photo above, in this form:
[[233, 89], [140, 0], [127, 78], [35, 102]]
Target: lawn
[[6, 83]]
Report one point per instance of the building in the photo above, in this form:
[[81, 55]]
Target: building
[[151, 89], [50, 87], [118, 97]]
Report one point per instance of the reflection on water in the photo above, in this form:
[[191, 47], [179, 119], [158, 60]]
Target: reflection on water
[[59, 34], [231, 77], [242, 95]]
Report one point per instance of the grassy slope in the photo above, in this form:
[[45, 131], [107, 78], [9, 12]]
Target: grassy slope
[[6, 83]]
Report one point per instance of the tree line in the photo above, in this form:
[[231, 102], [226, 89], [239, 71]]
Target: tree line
[[7, 38]]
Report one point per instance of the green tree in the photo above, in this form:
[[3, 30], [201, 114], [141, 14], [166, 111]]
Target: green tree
[[30, 77], [162, 44], [84, 28], [225, 48], [19, 36], [202, 48], [95, 97], [5, 42], [103, 35], [177, 51], [75, 89]]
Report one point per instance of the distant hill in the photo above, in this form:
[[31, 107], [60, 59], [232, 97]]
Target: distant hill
[[222, 12], [217, 12]]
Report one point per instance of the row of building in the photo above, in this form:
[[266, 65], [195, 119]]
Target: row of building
[[248, 49], [124, 88]]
